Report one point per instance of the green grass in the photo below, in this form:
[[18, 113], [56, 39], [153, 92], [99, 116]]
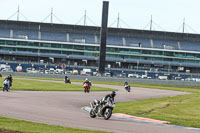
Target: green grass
[[168, 87], [33, 85], [183, 110], [30, 127]]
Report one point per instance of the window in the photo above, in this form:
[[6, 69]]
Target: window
[[78, 53], [2, 42], [88, 54], [8, 49], [33, 44], [27, 50], [67, 52], [146, 52], [188, 55], [45, 45], [50, 51], [21, 43], [168, 53], [67, 46], [10, 42], [77, 47], [157, 52], [56, 45], [112, 50], [90, 48]]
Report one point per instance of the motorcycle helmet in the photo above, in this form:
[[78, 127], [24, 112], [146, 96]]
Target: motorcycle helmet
[[113, 93]]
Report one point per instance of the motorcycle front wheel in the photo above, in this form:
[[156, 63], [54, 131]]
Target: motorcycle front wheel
[[107, 114], [92, 114]]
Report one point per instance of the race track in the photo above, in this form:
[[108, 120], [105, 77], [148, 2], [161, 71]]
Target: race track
[[64, 109]]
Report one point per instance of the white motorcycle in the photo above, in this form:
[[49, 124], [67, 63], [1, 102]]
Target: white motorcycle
[[127, 88], [102, 108]]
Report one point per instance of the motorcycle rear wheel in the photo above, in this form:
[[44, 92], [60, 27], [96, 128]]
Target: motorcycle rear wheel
[[107, 114]]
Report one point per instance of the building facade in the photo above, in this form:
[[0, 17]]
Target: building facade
[[79, 45]]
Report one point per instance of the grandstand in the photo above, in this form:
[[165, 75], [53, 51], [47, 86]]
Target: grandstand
[[76, 44]]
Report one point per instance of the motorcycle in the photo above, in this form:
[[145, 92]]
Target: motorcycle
[[5, 87], [102, 108], [86, 87], [127, 88], [67, 81]]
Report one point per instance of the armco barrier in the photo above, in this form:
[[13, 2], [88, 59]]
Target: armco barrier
[[108, 79]]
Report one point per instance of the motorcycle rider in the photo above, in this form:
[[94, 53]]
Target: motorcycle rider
[[98, 103], [66, 79], [6, 84], [10, 79], [112, 96], [87, 82], [125, 84]]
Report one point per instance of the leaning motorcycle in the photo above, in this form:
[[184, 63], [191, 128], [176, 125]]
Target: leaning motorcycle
[[127, 88], [102, 108], [5, 87], [67, 81]]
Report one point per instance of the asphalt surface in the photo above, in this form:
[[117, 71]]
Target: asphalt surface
[[64, 109]]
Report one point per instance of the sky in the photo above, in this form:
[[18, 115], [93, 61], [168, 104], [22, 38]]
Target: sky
[[167, 15]]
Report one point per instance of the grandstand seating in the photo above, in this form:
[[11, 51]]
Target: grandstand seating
[[81, 38], [192, 46], [158, 43], [53, 36], [111, 39], [131, 41], [114, 40], [165, 44], [4, 32], [25, 34]]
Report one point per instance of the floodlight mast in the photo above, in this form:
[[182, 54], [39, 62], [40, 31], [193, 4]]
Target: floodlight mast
[[183, 25], [85, 16], [102, 49], [18, 14], [118, 21], [151, 21], [51, 15]]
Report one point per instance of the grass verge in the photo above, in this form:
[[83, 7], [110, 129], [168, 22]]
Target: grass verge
[[33, 85], [31, 127], [180, 110]]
